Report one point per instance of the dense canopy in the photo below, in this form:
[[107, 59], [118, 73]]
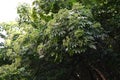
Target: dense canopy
[[62, 40]]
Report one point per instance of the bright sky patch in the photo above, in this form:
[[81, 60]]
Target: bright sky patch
[[8, 9]]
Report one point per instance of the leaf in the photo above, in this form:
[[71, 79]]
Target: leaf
[[92, 46]]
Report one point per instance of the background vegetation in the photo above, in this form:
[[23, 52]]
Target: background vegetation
[[62, 40]]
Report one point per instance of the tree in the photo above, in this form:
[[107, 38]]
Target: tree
[[63, 40]]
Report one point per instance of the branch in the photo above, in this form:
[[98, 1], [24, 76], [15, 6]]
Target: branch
[[99, 72]]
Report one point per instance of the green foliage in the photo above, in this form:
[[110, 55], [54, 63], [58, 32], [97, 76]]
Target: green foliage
[[108, 15], [62, 40], [70, 32], [24, 11]]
